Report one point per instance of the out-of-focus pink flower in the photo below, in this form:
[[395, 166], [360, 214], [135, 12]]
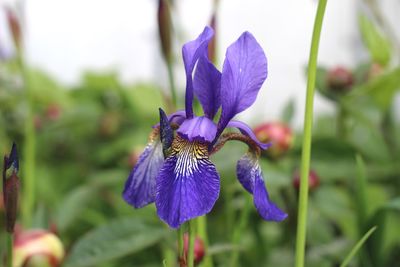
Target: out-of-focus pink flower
[[279, 134], [32, 247]]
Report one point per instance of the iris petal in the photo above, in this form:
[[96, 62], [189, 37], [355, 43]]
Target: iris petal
[[188, 183], [140, 188], [207, 86], [250, 176], [191, 52], [245, 129], [243, 73]]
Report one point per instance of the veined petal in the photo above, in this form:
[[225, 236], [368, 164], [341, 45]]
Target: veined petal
[[245, 129], [250, 176], [207, 86], [140, 188], [187, 184], [243, 73], [198, 129], [191, 52]]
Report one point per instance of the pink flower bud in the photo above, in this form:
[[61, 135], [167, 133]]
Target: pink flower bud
[[36, 247], [199, 250], [313, 180], [53, 112], [279, 134], [340, 79]]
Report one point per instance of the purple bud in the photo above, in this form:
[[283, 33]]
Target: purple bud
[[164, 28], [11, 188]]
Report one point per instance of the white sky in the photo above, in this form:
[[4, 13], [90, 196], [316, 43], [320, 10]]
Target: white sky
[[65, 37]]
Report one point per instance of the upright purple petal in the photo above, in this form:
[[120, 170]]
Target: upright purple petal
[[207, 86], [140, 188], [243, 73], [250, 176], [191, 52], [245, 129], [188, 183]]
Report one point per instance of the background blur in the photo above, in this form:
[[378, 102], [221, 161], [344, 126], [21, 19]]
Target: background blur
[[66, 37]]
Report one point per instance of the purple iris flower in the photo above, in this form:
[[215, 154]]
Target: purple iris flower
[[175, 171]]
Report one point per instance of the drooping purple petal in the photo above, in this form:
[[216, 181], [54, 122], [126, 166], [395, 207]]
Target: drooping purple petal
[[198, 129], [245, 129], [243, 73], [191, 52], [207, 86], [187, 184], [250, 176], [140, 188]]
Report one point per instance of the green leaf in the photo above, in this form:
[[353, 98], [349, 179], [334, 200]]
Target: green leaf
[[355, 249], [378, 45], [288, 111], [119, 238], [73, 205], [382, 88]]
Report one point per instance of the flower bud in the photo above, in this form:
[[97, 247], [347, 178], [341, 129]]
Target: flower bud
[[164, 29], [313, 180], [279, 134], [212, 46], [37, 248], [11, 188], [198, 250], [15, 27], [340, 79], [53, 112]]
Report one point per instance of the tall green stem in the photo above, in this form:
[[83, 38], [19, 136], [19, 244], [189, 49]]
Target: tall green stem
[[9, 249], [202, 233], [180, 242], [241, 226], [172, 83], [192, 236], [306, 151], [28, 168]]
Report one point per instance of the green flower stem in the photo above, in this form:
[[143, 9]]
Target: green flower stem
[[192, 236], [202, 232], [306, 151], [28, 167], [237, 234], [9, 249], [172, 83], [180, 242]]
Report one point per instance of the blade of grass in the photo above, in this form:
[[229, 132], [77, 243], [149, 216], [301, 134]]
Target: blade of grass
[[355, 249]]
